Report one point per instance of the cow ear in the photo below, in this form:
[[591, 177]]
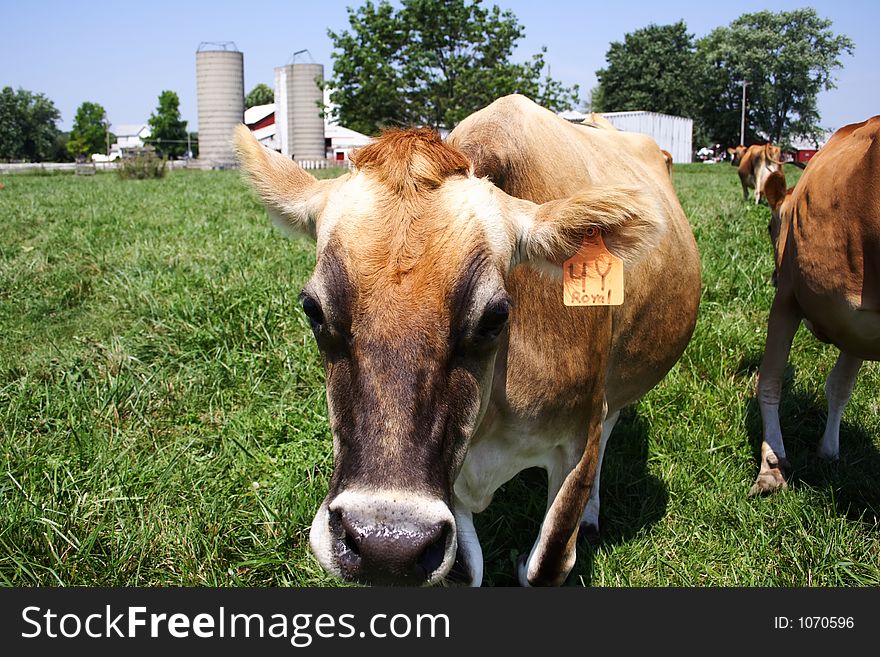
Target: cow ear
[[293, 197], [630, 221], [774, 190]]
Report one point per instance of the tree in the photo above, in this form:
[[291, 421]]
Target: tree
[[653, 69], [167, 130], [60, 153], [432, 62], [366, 84], [90, 132], [786, 59], [28, 128], [262, 94]]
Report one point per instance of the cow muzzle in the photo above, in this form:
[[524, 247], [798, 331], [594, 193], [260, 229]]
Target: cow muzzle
[[387, 538]]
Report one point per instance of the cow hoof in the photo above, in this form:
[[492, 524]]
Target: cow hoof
[[768, 481], [589, 534]]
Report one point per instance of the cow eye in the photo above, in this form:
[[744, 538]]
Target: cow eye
[[494, 319], [313, 311]]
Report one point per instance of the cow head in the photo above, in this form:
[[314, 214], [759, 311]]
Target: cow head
[[408, 307], [776, 193], [736, 154]]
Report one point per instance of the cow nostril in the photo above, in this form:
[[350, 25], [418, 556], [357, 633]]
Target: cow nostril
[[432, 556], [348, 552], [351, 544]]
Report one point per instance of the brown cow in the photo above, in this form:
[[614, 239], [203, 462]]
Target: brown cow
[[451, 362], [826, 238], [754, 164]]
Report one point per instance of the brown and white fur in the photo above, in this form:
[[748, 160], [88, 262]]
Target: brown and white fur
[[826, 238], [451, 362], [754, 164]]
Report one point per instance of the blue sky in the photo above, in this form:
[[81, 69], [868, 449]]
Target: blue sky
[[123, 54]]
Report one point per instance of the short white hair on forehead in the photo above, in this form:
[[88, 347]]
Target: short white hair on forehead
[[477, 199], [356, 197]]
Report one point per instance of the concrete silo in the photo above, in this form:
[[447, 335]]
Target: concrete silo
[[220, 92], [299, 104]]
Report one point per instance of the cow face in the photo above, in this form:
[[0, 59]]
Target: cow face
[[408, 307]]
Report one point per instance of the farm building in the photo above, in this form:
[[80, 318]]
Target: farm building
[[220, 97], [130, 135], [338, 141], [802, 150], [672, 133], [342, 141], [261, 120]]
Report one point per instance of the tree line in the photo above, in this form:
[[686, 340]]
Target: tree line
[[433, 62], [29, 129], [783, 59]]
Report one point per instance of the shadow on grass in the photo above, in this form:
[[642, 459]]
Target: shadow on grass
[[749, 364], [631, 499], [850, 484]]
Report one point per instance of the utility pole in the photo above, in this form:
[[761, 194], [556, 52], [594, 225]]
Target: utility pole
[[742, 125]]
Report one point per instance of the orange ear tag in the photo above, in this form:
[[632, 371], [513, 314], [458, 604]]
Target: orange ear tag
[[593, 276]]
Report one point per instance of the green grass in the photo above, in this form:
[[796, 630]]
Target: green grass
[[163, 422]]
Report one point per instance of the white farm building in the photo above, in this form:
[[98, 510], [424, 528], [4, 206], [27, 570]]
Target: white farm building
[[672, 133]]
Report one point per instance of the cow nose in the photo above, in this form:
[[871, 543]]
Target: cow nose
[[382, 554]]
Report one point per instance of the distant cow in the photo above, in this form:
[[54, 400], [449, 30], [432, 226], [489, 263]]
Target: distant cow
[[826, 238], [754, 163], [451, 362]]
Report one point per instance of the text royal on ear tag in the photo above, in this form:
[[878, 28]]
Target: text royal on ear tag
[[593, 276]]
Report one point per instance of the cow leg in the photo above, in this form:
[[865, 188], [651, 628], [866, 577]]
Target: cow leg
[[590, 519], [838, 388], [781, 327], [553, 555], [470, 554]]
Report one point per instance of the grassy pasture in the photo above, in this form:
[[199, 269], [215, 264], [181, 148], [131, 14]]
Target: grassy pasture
[[162, 413]]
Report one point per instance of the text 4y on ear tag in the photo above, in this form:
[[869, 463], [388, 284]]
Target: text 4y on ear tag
[[593, 276]]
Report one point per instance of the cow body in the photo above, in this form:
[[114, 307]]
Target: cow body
[[754, 164], [826, 234], [451, 362], [562, 369]]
